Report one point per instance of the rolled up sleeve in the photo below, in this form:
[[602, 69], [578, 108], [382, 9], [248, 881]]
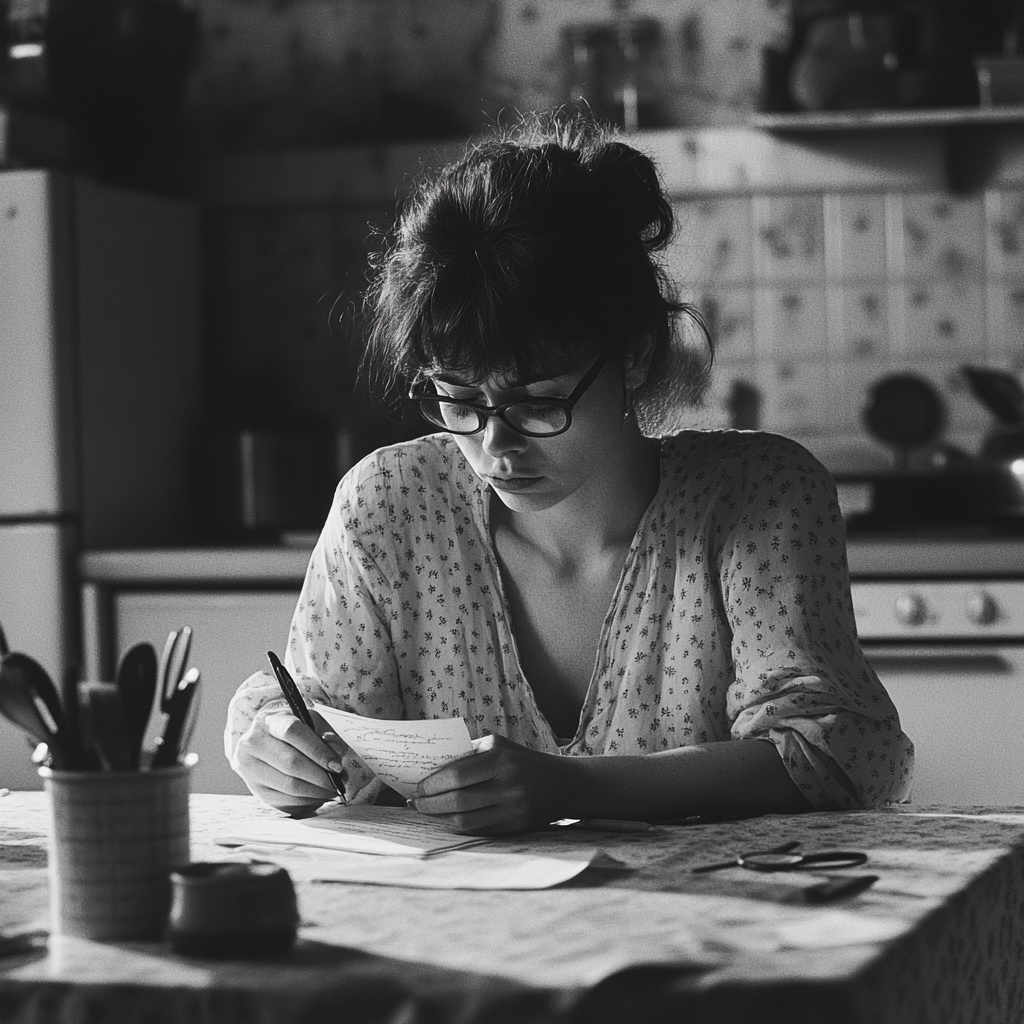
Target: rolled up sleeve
[[802, 680]]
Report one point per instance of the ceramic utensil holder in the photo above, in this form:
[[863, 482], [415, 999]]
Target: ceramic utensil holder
[[114, 839]]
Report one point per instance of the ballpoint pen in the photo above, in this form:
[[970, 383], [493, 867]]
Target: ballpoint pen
[[301, 712]]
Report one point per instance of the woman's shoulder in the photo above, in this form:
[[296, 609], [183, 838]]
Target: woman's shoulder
[[432, 459], [729, 473], [731, 451], [418, 475]]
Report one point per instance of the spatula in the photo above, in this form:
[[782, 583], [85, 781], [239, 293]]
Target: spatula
[[38, 679], [21, 705], [136, 686]]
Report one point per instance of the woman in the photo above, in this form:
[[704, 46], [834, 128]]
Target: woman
[[632, 627]]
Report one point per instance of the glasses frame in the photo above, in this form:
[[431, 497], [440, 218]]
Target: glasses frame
[[485, 412]]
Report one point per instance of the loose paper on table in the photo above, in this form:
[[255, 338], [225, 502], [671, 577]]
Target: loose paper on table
[[400, 753], [360, 828], [456, 869]]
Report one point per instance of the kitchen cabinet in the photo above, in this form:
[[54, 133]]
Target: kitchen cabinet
[[239, 603]]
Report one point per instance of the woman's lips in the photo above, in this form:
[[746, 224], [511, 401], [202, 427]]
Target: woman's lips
[[512, 483]]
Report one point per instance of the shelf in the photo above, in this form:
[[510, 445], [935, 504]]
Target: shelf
[[859, 120], [975, 139]]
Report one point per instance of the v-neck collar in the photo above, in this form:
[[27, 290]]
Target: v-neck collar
[[482, 497]]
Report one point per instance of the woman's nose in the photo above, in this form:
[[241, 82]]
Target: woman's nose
[[500, 439]]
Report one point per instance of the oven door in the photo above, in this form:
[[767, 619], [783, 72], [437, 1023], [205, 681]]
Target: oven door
[[963, 708]]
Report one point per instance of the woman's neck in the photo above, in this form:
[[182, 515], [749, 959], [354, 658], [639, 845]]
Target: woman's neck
[[602, 515]]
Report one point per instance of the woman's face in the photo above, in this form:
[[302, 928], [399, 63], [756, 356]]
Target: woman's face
[[537, 473]]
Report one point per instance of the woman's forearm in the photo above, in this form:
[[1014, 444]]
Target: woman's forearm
[[738, 777]]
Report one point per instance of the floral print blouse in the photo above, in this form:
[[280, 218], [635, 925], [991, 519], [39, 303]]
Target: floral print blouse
[[732, 618]]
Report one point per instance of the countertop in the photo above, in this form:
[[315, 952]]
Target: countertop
[[285, 565]]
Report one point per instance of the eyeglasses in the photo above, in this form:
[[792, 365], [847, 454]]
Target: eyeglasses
[[536, 417]]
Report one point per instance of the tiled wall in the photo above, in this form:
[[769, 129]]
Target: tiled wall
[[824, 266], [814, 296]]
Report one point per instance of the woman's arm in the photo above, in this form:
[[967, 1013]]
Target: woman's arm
[[504, 787], [339, 653]]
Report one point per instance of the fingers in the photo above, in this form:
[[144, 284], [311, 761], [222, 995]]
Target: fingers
[[478, 810], [471, 770], [287, 728], [463, 800], [285, 763]]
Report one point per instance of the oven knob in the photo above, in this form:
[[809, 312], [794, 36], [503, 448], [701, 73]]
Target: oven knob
[[910, 609], [982, 609]]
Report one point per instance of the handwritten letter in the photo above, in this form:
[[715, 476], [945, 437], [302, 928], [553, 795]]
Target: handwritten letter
[[400, 753]]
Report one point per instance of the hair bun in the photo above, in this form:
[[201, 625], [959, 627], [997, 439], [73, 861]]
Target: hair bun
[[627, 186]]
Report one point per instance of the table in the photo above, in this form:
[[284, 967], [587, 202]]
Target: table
[[942, 935]]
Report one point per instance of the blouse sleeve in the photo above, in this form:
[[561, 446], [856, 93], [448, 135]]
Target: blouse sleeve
[[802, 680], [340, 649]]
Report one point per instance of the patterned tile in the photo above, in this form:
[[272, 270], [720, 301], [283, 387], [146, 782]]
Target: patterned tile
[[858, 321], [789, 321], [1004, 234], [855, 237], [938, 235], [713, 242], [789, 238], [940, 318]]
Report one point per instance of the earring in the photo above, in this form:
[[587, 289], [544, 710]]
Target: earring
[[628, 411]]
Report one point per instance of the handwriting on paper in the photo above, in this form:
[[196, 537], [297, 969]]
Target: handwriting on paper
[[400, 753]]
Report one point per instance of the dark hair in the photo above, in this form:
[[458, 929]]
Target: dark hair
[[534, 247]]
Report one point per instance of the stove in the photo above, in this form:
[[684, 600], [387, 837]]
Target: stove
[[940, 615]]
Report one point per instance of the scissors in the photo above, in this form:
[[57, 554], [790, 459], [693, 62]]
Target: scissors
[[782, 858]]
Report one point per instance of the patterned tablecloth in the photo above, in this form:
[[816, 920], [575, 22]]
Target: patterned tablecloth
[[939, 937]]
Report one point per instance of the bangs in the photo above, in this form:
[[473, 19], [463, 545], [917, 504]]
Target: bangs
[[475, 335]]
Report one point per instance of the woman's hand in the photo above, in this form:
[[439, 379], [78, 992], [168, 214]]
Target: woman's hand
[[500, 788], [285, 763]]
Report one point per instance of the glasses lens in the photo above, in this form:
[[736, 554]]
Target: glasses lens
[[456, 418], [539, 418]]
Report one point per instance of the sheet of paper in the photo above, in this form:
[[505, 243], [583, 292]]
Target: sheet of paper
[[359, 828], [458, 869], [398, 752]]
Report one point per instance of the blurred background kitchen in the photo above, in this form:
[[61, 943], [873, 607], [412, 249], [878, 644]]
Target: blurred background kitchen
[[191, 190]]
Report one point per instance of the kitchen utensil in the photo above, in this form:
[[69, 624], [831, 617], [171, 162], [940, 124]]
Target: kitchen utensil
[[172, 665], [191, 717], [999, 391], [81, 756], [21, 704], [178, 710], [136, 686], [41, 683], [104, 726]]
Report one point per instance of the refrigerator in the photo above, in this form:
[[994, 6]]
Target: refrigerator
[[101, 376]]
